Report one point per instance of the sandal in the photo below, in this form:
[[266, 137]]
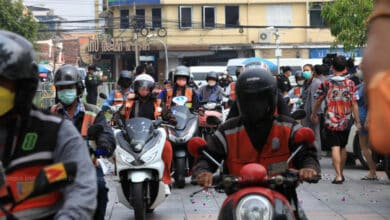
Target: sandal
[[369, 178], [337, 181]]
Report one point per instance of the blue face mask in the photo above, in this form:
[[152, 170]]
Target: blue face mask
[[307, 74], [67, 96]]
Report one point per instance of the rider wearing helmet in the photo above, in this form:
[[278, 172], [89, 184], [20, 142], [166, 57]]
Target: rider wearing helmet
[[69, 89], [256, 135], [180, 88], [119, 95], [31, 139], [92, 82], [145, 104], [212, 91]]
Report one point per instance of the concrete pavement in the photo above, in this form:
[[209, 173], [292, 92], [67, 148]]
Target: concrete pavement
[[355, 199]]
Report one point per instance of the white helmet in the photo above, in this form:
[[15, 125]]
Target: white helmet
[[143, 81]]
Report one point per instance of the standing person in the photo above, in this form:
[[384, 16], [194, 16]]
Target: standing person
[[317, 77], [92, 82], [363, 133], [140, 70], [31, 139], [212, 91], [69, 87], [180, 88], [284, 81], [376, 69], [145, 104], [151, 72], [119, 95], [250, 137], [339, 93]]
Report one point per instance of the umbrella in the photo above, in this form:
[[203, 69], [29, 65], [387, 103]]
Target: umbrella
[[259, 60], [43, 69]]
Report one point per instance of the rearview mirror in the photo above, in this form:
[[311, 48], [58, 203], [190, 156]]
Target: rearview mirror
[[212, 120], [299, 114], [102, 95]]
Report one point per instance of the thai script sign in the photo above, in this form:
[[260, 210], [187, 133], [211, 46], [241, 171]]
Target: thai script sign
[[114, 45]]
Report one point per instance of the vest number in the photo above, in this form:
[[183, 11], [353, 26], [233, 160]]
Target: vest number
[[29, 141]]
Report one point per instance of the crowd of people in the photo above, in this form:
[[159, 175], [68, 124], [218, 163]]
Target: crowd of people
[[334, 95]]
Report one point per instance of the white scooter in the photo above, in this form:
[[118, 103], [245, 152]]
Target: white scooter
[[140, 168]]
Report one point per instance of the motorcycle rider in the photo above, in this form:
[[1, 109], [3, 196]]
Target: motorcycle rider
[[26, 147], [211, 90], [181, 78], [69, 87], [257, 134], [118, 96], [146, 105]]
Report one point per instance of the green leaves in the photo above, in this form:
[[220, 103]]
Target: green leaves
[[347, 21], [15, 17]]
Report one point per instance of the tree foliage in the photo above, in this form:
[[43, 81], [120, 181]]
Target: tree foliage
[[347, 21], [14, 17]]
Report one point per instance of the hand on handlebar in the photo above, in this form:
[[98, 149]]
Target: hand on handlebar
[[205, 179], [308, 174]]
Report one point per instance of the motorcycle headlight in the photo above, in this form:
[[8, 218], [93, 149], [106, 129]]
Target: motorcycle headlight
[[254, 207], [127, 157], [189, 134], [149, 156]]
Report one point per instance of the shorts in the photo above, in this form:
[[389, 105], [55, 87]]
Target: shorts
[[336, 138]]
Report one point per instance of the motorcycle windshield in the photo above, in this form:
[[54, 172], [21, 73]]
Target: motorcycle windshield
[[181, 114], [139, 130]]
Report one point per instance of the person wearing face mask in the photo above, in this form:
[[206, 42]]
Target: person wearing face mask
[[295, 94], [69, 89], [180, 88], [256, 135], [284, 81], [92, 82], [211, 92], [119, 95], [31, 139]]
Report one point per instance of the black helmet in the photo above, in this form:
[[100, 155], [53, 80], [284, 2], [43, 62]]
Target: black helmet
[[182, 71], [143, 81], [212, 75], [16, 63], [69, 75], [256, 91], [125, 79]]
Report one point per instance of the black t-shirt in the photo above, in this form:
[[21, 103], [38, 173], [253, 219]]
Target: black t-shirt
[[144, 108]]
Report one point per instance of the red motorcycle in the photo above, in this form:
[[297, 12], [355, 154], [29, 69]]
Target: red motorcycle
[[253, 194]]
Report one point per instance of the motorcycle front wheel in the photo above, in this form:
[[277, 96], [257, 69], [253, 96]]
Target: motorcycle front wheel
[[180, 172], [139, 202]]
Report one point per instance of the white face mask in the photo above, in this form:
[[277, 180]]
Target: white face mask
[[211, 82], [301, 82]]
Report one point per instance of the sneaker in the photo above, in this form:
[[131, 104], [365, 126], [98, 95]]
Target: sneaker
[[167, 189]]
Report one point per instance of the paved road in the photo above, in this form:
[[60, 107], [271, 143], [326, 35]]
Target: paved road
[[355, 199]]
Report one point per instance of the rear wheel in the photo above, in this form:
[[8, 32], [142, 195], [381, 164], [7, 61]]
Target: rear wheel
[[139, 202], [180, 172]]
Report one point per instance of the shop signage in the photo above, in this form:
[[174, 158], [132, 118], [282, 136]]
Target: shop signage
[[114, 45]]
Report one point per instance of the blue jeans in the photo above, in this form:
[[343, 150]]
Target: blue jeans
[[102, 196]]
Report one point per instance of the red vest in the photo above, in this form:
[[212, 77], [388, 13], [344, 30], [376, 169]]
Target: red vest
[[187, 93], [240, 150]]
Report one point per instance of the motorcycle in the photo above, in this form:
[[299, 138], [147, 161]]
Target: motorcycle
[[210, 118], [49, 179], [140, 144], [179, 135], [255, 194]]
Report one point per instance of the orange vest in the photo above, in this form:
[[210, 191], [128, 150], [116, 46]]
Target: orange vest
[[129, 104], [233, 91], [88, 119], [187, 93], [240, 150]]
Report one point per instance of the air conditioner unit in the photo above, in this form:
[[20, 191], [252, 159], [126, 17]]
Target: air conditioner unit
[[265, 37]]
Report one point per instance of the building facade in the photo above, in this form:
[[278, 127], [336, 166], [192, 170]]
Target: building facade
[[209, 32]]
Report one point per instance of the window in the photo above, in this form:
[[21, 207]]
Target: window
[[208, 17], [140, 18], [156, 17], [232, 18], [316, 19], [185, 16], [279, 15], [124, 19]]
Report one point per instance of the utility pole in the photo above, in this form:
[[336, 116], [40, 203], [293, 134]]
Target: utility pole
[[278, 51], [96, 15], [135, 35]]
